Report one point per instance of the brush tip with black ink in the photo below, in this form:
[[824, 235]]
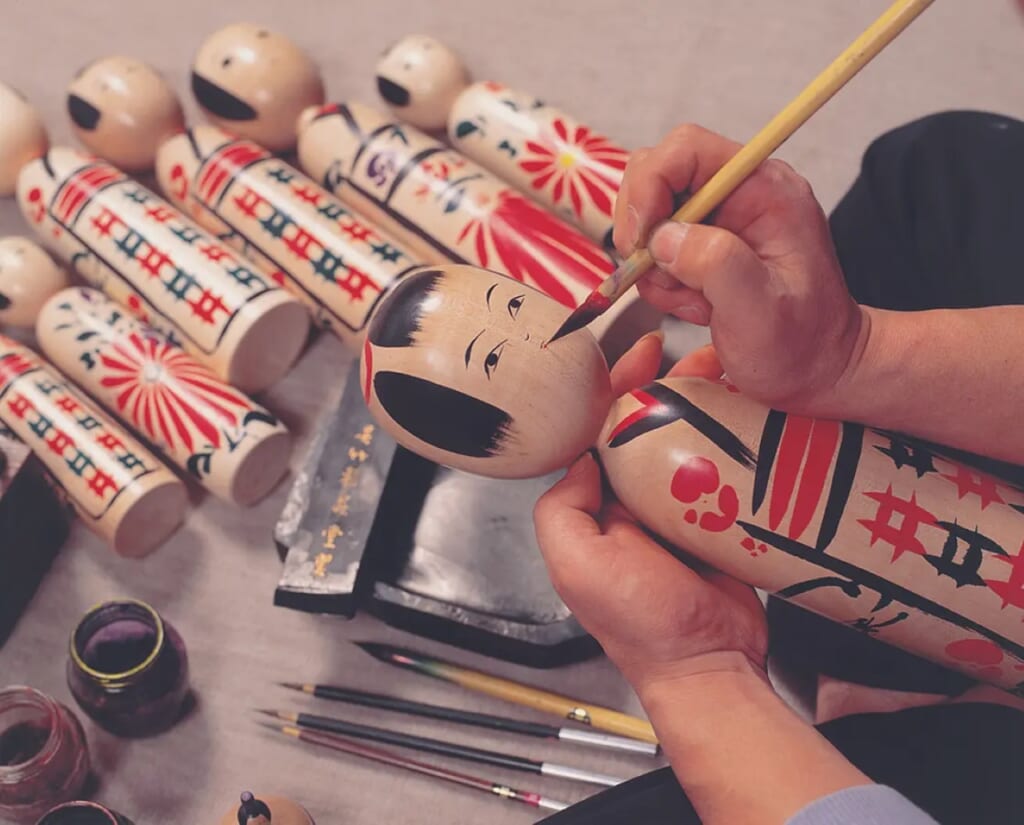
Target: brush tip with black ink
[[591, 308]]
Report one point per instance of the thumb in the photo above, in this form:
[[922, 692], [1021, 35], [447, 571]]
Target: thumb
[[711, 261], [567, 512]]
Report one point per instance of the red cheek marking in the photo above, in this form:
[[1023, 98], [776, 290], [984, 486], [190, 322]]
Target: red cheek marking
[[975, 651], [368, 366], [990, 672], [691, 516]]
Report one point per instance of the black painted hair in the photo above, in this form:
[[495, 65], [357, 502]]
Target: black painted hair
[[397, 320], [220, 101], [83, 113], [442, 417], [392, 92]]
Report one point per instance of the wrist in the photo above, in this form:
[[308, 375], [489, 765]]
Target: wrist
[[853, 378], [717, 723], [699, 674]]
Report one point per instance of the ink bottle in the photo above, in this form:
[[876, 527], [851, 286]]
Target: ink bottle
[[43, 754], [128, 669], [83, 813]]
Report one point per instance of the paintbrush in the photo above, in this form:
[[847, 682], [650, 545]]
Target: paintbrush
[[441, 747], [817, 93], [612, 721], [482, 720], [534, 800]]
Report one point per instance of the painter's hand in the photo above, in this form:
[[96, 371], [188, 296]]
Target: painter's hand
[[764, 276], [656, 618]]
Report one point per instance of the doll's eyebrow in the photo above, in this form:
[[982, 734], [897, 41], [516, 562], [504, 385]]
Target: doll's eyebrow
[[487, 297], [469, 349]]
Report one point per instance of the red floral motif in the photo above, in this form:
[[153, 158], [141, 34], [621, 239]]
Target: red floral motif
[[167, 395], [535, 247], [577, 166]]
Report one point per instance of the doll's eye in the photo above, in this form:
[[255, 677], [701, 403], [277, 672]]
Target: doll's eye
[[514, 304], [491, 361], [225, 62]]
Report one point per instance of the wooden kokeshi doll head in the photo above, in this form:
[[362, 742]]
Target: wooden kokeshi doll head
[[254, 83], [22, 137], [419, 78], [266, 810], [121, 109], [28, 278], [456, 369]]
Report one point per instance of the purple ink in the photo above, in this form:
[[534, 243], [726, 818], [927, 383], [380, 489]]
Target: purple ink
[[128, 669]]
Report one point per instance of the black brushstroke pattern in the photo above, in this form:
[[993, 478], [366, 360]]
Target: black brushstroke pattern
[[842, 483], [674, 407], [875, 582], [771, 436]]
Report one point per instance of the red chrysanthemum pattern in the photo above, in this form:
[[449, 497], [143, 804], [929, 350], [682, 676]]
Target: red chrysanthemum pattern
[[535, 247], [578, 166], [167, 395]]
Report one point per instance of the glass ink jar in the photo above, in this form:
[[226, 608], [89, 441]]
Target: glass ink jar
[[128, 669], [43, 754], [83, 813]]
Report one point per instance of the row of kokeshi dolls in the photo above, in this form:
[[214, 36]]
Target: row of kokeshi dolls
[[195, 300]]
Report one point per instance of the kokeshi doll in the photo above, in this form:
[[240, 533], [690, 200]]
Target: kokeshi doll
[[22, 137], [233, 447], [264, 810], [430, 195], [544, 152], [122, 109], [28, 277], [118, 488], [333, 260], [878, 531], [255, 82], [148, 256]]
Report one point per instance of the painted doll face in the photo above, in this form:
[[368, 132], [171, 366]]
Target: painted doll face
[[456, 369], [420, 78], [22, 137], [122, 110], [28, 278], [254, 83]]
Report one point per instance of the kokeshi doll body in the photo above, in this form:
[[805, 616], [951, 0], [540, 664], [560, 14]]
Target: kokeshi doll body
[[233, 447], [118, 488], [28, 278], [332, 259], [560, 163], [877, 531], [542, 151], [148, 256], [22, 137], [430, 195]]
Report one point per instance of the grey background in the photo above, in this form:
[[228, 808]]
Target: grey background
[[631, 69]]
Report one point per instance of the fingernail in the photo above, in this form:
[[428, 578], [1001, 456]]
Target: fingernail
[[665, 242], [693, 315], [657, 334], [633, 227]]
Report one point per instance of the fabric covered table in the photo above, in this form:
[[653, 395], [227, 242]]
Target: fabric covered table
[[632, 70]]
